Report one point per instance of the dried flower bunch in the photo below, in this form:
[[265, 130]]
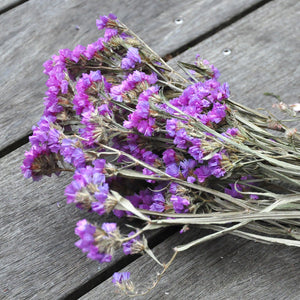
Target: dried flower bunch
[[147, 142]]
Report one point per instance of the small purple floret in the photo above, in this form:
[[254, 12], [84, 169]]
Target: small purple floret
[[120, 277]]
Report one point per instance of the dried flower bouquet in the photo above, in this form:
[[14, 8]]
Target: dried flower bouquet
[[147, 142]]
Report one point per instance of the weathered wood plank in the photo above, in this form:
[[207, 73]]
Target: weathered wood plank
[[228, 268], [34, 31], [264, 57]]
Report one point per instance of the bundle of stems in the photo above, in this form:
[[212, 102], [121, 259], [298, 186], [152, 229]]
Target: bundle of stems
[[169, 148]]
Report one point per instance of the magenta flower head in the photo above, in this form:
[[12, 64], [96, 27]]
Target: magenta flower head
[[100, 243], [123, 282], [89, 189], [131, 59], [120, 277], [87, 243], [106, 21], [180, 204], [39, 161], [133, 246]]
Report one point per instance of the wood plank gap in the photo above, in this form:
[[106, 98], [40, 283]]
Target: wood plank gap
[[118, 265], [215, 30], [15, 145], [12, 5]]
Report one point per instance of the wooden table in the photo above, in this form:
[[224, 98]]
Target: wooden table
[[255, 44]]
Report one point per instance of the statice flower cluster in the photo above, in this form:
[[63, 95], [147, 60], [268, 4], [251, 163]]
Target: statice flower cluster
[[110, 115], [143, 140]]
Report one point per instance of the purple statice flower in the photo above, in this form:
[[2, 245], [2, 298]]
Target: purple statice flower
[[68, 146], [149, 157], [131, 145], [71, 152], [215, 165], [109, 227], [89, 188], [131, 81], [127, 63], [119, 278], [78, 158], [173, 188], [186, 166], [195, 150], [179, 204], [254, 197], [218, 113], [103, 110], [158, 202], [142, 110], [77, 52], [87, 133], [133, 54], [201, 100], [117, 91], [46, 134], [106, 21], [181, 139], [132, 57], [169, 156], [172, 127], [92, 132], [147, 127], [110, 33], [81, 99], [202, 173], [119, 213], [173, 170], [214, 72], [39, 161], [90, 241], [56, 82], [132, 246], [231, 132], [234, 190], [149, 172], [92, 49], [191, 179], [143, 199]]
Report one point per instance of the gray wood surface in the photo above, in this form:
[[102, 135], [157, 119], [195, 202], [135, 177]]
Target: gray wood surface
[[264, 58], [37, 29]]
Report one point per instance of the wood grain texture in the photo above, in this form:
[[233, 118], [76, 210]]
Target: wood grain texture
[[264, 57], [34, 31], [227, 268]]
